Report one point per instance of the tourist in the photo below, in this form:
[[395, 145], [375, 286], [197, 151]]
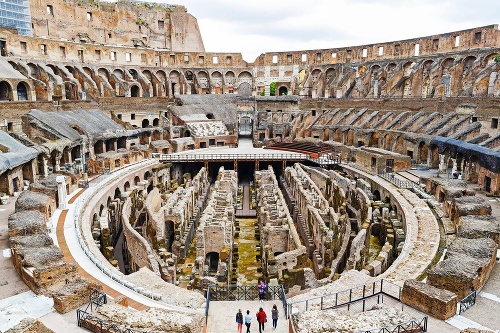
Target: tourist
[[274, 316], [261, 319], [239, 320], [248, 321], [262, 290]]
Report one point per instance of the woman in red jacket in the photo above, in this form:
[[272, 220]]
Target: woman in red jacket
[[261, 318]]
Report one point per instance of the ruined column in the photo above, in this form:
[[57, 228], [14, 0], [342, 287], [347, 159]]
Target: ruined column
[[61, 191], [443, 165], [57, 162]]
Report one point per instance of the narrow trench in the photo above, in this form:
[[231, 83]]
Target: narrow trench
[[246, 270]]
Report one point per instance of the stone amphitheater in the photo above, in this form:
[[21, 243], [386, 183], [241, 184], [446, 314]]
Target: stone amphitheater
[[148, 186]]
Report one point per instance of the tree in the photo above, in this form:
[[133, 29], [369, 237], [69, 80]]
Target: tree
[[272, 89], [497, 58]]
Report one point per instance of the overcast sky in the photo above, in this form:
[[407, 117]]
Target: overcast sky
[[260, 26]]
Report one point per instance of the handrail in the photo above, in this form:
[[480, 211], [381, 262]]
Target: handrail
[[322, 159], [349, 295]]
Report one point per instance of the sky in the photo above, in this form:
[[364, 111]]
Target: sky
[[263, 26]]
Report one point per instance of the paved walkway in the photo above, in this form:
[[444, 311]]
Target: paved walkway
[[222, 316]]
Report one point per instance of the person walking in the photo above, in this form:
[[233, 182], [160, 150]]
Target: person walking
[[262, 290], [248, 321], [239, 320], [261, 319], [274, 316]]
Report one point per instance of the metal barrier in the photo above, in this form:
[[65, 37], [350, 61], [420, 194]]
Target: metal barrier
[[321, 160], [467, 302], [238, 293], [396, 181], [348, 296], [365, 297]]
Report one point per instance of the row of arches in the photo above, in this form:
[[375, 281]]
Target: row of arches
[[15, 92]]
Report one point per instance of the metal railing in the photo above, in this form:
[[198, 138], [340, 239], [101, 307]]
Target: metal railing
[[467, 302], [229, 157], [365, 297], [322, 160], [238, 293], [348, 296], [397, 181]]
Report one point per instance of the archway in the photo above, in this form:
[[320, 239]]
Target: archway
[[423, 152], [145, 123], [283, 91], [5, 91], [169, 234], [99, 147], [22, 92], [134, 91], [212, 261]]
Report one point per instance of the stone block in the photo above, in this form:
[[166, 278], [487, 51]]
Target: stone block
[[479, 226], [459, 274], [439, 303], [74, 294]]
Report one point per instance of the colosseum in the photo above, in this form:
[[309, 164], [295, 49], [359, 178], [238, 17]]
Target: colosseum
[[147, 185]]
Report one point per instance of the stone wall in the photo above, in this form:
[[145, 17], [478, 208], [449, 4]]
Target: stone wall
[[29, 325], [283, 250], [317, 220]]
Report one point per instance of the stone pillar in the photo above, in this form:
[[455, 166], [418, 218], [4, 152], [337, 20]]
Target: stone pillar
[[455, 167], [45, 167], [61, 191], [115, 144], [57, 162], [443, 165]]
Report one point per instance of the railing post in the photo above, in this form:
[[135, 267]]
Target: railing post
[[321, 303]]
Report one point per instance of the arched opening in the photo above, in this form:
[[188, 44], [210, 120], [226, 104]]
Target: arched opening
[[187, 133], [126, 186], [376, 195], [110, 145], [169, 234], [210, 116], [134, 91], [147, 174], [22, 91], [136, 180], [423, 152], [145, 123], [118, 194], [283, 91], [98, 147], [5, 91], [212, 261], [156, 122], [122, 143]]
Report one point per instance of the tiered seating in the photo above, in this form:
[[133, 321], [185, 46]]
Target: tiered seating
[[302, 147], [208, 128]]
